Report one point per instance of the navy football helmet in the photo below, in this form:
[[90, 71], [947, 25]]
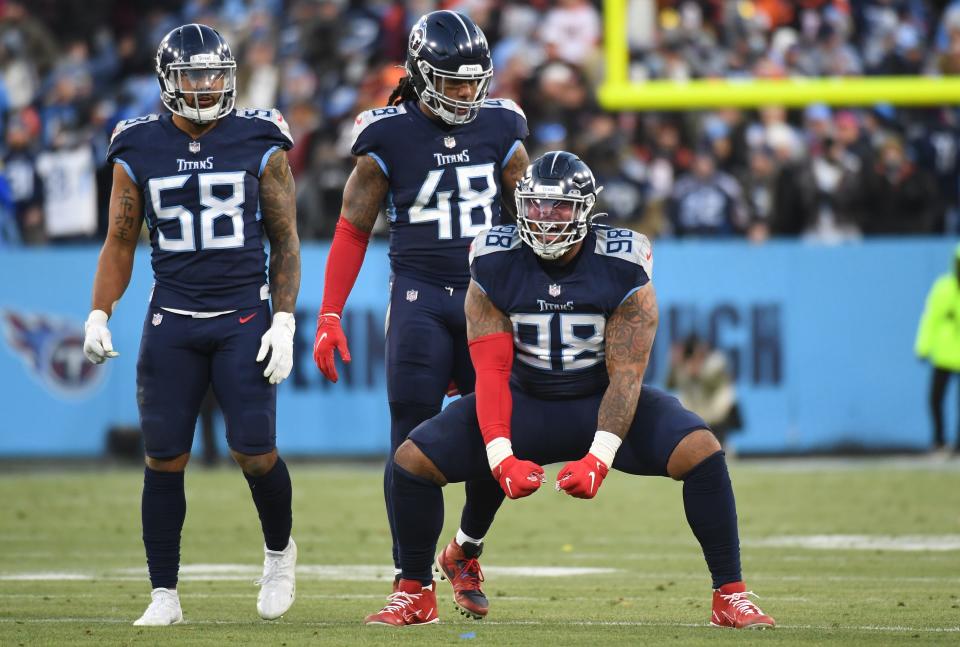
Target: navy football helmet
[[554, 200], [197, 73], [447, 47]]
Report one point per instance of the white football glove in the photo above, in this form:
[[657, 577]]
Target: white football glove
[[279, 338], [97, 342]]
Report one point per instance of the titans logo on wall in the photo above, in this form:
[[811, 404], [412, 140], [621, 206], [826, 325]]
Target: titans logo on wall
[[52, 350]]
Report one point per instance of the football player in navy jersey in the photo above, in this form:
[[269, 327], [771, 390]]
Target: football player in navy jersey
[[438, 158], [211, 183], [561, 317]]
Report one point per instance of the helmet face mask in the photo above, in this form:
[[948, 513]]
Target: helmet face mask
[[554, 202], [197, 74], [437, 83], [445, 51]]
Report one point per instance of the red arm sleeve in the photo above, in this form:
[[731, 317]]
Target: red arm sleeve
[[343, 265], [492, 357]]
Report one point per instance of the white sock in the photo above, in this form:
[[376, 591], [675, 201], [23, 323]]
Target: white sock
[[464, 537]]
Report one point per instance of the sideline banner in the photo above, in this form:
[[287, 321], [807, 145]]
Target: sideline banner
[[820, 340]]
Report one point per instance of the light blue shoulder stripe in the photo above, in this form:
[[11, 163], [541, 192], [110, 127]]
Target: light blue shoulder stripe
[[630, 294], [266, 158], [381, 163], [510, 153], [126, 167]]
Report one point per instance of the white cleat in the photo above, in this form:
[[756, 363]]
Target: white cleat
[[164, 609], [278, 585]]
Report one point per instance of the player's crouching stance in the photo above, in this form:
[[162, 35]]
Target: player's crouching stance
[[574, 304], [210, 182]]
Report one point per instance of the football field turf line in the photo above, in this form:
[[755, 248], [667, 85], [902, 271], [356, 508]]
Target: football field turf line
[[70, 523]]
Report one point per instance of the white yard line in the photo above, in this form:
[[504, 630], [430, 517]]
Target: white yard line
[[908, 543]]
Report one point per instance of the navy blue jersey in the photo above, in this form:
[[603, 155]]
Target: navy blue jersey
[[202, 205], [444, 182], [559, 314]]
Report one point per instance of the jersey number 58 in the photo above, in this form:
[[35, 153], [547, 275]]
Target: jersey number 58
[[214, 208]]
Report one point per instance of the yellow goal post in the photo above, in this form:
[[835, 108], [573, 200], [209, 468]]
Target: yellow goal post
[[618, 92]]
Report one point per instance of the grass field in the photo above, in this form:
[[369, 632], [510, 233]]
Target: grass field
[[72, 567]]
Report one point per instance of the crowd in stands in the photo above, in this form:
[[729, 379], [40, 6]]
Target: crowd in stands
[[71, 69]]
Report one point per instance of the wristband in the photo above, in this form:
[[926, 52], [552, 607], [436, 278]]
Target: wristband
[[498, 450], [605, 446]]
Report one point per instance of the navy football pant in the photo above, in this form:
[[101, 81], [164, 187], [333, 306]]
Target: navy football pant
[[180, 356], [557, 431], [426, 349]]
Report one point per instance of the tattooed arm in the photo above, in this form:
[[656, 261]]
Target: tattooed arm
[[279, 206], [363, 194], [116, 257], [483, 318], [629, 339], [512, 173]]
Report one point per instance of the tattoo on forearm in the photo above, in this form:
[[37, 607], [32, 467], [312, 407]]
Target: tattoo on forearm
[[629, 340], [514, 170], [278, 202], [483, 318], [364, 193], [124, 220]]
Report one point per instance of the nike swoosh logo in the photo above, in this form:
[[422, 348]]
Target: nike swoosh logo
[[244, 320], [509, 489], [649, 255], [322, 337], [592, 476]]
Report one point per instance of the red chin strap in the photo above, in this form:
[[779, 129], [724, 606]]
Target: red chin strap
[[492, 357], [343, 265]]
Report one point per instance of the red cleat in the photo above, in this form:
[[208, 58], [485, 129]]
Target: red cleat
[[460, 566], [733, 608], [410, 605]]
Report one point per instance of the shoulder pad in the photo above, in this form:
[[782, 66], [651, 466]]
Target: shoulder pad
[[496, 239], [625, 244], [126, 124], [273, 116], [506, 104], [368, 117]]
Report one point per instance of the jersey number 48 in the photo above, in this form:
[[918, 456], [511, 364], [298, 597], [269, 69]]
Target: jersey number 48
[[470, 199]]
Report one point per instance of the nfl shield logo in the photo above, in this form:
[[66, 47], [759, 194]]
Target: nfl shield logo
[[449, 142], [412, 295], [194, 147], [157, 318], [554, 290]]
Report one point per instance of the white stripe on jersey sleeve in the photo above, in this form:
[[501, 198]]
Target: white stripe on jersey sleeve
[[626, 244], [367, 117], [505, 104], [496, 239]]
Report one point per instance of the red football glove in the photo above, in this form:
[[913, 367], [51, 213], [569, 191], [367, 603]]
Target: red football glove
[[582, 478], [518, 478], [329, 336]]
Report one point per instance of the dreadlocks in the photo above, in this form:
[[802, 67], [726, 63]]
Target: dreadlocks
[[403, 92]]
